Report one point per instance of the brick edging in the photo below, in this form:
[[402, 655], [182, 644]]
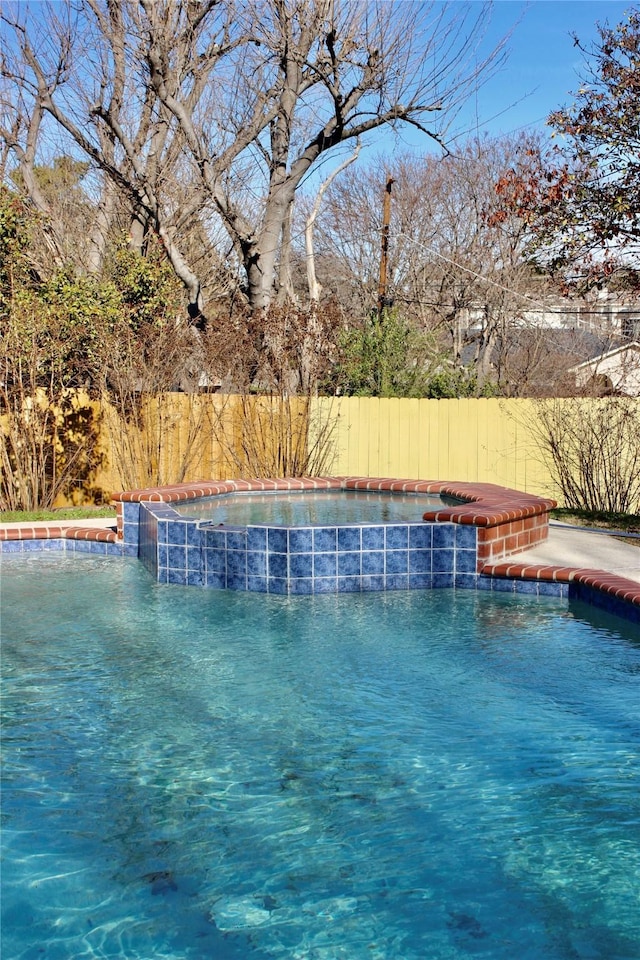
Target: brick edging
[[609, 583], [55, 532]]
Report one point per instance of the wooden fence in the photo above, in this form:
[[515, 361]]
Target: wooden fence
[[201, 437], [483, 440]]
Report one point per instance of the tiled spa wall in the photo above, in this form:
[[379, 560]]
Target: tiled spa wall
[[305, 560]]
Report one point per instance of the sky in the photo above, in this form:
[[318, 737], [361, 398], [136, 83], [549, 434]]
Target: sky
[[543, 65]]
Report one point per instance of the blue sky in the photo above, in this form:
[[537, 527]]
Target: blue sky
[[543, 65]]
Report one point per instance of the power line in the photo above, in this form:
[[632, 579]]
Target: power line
[[539, 304]]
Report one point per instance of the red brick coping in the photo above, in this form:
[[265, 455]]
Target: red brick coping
[[610, 583], [508, 521], [49, 531]]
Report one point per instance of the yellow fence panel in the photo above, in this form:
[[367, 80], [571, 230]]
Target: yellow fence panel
[[179, 437], [484, 440]]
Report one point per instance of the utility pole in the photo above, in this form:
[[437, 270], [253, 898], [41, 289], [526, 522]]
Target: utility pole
[[386, 219]]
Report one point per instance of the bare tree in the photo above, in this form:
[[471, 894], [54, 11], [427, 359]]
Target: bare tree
[[238, 99], [454, 267]]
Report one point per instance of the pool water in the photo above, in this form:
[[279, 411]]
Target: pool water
[[399, 776], [306, 508]]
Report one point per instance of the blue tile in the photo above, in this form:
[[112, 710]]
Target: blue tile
[[397, 561], [215, 580], [503, 586], [466, 581], [372, 538], [236, 581], [11, 546], [194, 558], [257, 584], [162, 532], [443, 535], [176, 576], [194, 578], [301, 565], [420, 581], [325, 585], [372, 584], [324, 565], [256, 563], [442, 561], [236, 563], [300, 541], [215, 538], [348, 584], [348, 538], [442, 580], [372, 562], [177, 558], [396, 582], [527, 586], [162, 575], [484, 583], [59, 544], [256, 538], [466, 537], [396, 537], [349, 564], [419, 561], [547, 588], [420, 536], [215, 560], [177, 533], [130, 512], [466, 561], [33, 546], [301, 585], [194, 535], [276, 540], [278, 585], [91, 546], [325, 539], [278, 565], [236, 540]]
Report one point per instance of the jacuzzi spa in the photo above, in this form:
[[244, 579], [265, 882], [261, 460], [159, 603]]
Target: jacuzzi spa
[[327, 535]]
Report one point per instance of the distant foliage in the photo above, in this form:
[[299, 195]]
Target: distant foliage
[[384, 356], [581, 200]]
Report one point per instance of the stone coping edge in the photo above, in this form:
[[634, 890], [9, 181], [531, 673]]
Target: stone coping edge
[[487, 504], [609, 583], [42, 531]]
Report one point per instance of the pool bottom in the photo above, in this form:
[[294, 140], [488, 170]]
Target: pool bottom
[[200, 774]]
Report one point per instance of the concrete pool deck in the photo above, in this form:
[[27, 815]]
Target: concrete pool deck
[[568, 546]]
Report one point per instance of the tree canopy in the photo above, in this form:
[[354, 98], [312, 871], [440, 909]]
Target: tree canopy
[[215, 112], [581, 198]]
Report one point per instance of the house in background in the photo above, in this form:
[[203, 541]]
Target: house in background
[[616, 371]]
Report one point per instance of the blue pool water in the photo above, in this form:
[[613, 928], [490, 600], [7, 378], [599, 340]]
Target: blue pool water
[[398, 776], [307, 507]]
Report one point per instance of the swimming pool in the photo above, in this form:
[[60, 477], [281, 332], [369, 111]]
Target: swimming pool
[[200, 774]]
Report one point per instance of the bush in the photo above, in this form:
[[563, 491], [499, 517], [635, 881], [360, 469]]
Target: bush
[[592, 448]]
